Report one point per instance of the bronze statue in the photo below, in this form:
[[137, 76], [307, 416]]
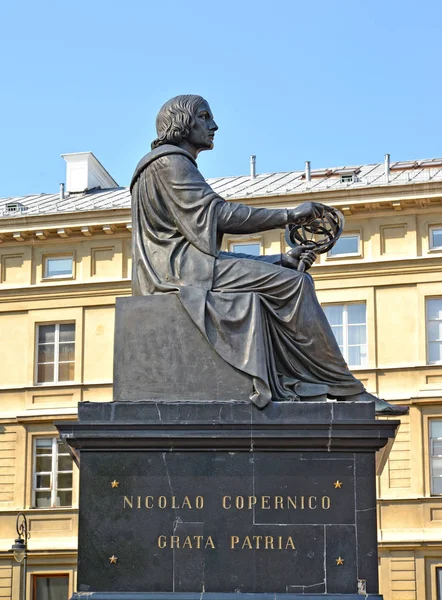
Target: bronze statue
[[259, 313]]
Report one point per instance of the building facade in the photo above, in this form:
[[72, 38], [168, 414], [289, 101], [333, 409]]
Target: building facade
[[65, 258]]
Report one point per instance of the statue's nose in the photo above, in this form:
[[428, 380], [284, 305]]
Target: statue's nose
[[214, 126]]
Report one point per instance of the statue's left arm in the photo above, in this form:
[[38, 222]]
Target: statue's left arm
[[238, 218]]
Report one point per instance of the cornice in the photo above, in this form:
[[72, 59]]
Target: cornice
[[418, 266], [89, 289], [41, 228], [352, 201], [375, 268]]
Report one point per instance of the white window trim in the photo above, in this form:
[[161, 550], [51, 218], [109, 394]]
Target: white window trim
[[432, 248], [345, 345], [348, 254], [47, 257], [53, 475], [427, 321], [56, 355], [431, 439]]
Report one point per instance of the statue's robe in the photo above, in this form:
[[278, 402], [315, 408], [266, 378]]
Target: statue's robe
[[262, 318]]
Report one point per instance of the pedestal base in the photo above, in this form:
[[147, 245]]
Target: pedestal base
[[188, 500], [216, 596]]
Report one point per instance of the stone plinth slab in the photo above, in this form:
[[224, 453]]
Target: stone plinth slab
[[222, 498]]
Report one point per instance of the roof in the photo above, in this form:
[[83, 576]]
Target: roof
[[263, 185]]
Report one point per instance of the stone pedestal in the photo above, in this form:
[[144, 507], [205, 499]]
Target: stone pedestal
[[191, 500], [159, 354], [190, 492]]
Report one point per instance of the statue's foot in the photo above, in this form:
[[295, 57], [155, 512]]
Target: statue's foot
[[382, 407]]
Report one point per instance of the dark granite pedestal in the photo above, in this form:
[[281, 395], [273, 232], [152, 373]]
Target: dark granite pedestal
[[191, 501]]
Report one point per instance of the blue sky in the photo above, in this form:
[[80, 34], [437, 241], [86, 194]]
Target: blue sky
[[331, 82]]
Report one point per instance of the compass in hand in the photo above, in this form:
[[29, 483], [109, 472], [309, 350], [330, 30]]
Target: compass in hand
[[320, 235]]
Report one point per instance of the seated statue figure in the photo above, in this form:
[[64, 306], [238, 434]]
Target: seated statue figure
[[259, 313]]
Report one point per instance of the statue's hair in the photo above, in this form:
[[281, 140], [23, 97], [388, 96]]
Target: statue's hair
[[176, 119]]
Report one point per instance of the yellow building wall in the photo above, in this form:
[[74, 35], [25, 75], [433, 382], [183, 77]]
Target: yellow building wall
[[393, 274]]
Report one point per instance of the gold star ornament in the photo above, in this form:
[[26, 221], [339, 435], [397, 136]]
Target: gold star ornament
[[338, 484], [339, 561], [113, 559], [115, 483]]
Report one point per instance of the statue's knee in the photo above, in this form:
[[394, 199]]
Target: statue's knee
[[306, 278]]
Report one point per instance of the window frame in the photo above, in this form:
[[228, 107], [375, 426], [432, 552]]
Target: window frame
[[431, 456], [53, 488], [436, 579], [35, 576], [246, 243], [347, 178], [431, 229], [427, 332], [61, 255], [345, 345], [348, 254], [56, 353]]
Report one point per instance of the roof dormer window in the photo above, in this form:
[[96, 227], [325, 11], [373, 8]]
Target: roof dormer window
[[15, 207], [348, 178]]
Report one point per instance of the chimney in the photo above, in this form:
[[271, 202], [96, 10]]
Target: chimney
[[308, 173], [253, 167], [61, 191], [387, 166], [85, 172]]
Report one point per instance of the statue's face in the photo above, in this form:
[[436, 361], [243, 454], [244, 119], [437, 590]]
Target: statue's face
[[202, 135]]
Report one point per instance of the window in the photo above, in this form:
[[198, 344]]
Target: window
[[253, 248], [55, 353], [349, 178], [52, 473], [349, 325], [434, 330], [435, 238], [58, 266], [346, 244], [436, 456], [51, 587], [15, 207], [439, 583]]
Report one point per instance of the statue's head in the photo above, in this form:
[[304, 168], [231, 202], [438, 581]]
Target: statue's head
[[185, 120]]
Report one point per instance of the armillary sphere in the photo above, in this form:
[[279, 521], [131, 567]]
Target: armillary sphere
[[319, 235]]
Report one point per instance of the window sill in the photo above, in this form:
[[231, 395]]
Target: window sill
[[61, 509], [54, 383], [61, 278], [45, 508], [341, 256]]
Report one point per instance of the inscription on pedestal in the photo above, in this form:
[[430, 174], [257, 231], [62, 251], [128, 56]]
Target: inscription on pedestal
[[231, 521]]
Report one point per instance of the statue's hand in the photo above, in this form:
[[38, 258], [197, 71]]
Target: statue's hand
[[292, 258], [305, 213]]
